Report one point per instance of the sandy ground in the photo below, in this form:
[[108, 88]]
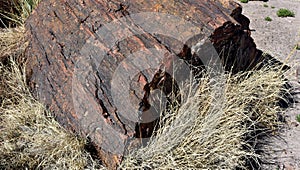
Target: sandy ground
[[278, 38]]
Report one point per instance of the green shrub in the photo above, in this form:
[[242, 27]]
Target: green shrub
[[265, 5], [268, 19], [244, 1], [298, 118], [285, 13], [272, 7]]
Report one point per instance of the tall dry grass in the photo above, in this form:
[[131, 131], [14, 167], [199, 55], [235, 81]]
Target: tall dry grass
[[30, 138], [12, 42], [211, 133], [29, 135], [13, 14], [208, 131]]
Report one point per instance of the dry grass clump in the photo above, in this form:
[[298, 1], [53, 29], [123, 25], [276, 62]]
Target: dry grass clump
[[210, 129], [260, 91], [13, 13], [12, 18], [12, 42], [29, 136]]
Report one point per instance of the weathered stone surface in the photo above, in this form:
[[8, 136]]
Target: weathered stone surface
[[77, 87]]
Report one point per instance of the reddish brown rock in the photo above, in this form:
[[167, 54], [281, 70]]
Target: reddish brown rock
[[81, 67]]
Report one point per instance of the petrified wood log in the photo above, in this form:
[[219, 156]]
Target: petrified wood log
[[94, 63]]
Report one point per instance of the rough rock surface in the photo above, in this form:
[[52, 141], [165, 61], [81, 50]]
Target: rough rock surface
[[64, 74]]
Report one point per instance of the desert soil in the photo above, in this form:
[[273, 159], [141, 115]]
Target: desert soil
[[278, 38]]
